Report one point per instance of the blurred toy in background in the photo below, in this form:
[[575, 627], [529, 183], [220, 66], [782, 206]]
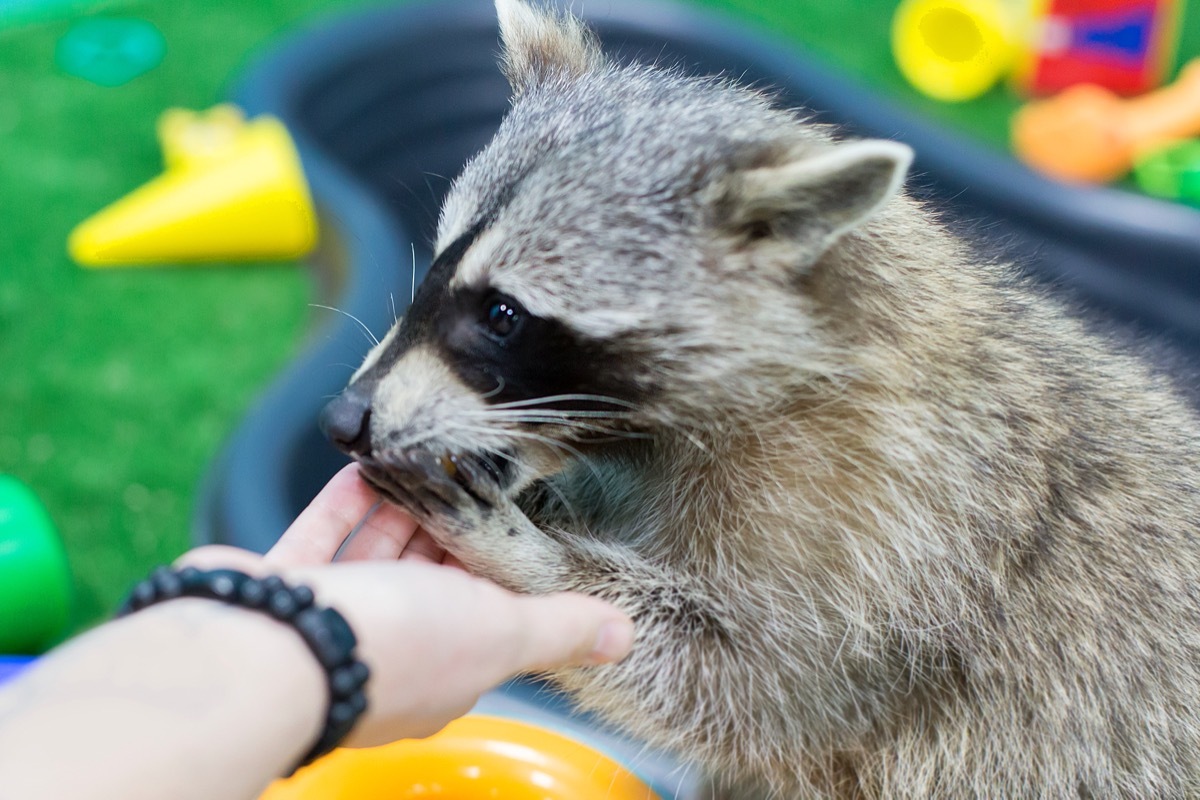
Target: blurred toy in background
[[1125, 46], [1088, 134], [954, 50], [35, 581], [12, 666], [233, 189], [191, 138], [110, 51], [1171, 172]]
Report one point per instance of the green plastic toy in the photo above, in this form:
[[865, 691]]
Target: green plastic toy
[[1172, 172], [35, 582], [110, 51]]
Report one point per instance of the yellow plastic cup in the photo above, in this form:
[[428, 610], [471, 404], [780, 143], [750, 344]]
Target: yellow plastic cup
[[955, 50], [473, 757]]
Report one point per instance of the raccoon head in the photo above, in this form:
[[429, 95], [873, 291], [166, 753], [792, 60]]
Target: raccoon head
[[628, 256]]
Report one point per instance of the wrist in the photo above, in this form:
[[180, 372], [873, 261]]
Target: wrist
[[245, 662], [206, 700], [324, 631]]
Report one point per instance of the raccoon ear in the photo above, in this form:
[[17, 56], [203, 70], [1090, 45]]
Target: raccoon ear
[[815, 198], [539, 44]]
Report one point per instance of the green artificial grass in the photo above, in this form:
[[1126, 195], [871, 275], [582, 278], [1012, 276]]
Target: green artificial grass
[[119, 386]]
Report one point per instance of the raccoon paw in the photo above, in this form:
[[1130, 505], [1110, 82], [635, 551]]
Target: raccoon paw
[[461, 501], [432, 486]]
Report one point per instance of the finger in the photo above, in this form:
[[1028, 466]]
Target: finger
[[319, 530], [422, 547], [220, 556], [384, 536], [451, 560], [563, 630]]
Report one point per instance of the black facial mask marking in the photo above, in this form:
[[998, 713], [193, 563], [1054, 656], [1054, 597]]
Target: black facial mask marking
[[544, 358]]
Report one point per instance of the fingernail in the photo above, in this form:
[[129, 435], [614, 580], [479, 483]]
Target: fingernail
[[613, 643]]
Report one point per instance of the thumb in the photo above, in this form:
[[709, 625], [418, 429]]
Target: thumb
[[566, 629]]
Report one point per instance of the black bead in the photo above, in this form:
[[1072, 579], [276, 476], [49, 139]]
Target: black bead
[[191, 578], [347, 680], [339, 629], [303, 596], [273, 583], [222, 586], [342, 712], [281, 605], [144, 593], [361, 672], [253, 594], [167, 583], [329, 648]]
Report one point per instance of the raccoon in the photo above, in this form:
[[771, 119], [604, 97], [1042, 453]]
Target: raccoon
[[890, 521]]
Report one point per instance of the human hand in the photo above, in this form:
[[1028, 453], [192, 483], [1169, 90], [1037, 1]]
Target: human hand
[[435, 637]]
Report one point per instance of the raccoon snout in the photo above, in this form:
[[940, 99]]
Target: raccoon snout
[[346, 421]]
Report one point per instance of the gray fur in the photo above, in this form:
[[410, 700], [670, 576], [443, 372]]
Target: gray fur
[[891, 523]]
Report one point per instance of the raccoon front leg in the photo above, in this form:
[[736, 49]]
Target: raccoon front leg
[[683, 687], [459, 500]]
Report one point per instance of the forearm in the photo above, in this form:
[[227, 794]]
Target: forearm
[[188, 699]]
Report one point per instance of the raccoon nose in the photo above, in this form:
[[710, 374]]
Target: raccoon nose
[[346, 421]]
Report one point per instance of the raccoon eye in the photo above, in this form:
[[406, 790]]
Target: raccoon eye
[[502, 316]]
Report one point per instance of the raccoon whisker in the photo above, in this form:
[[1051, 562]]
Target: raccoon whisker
[[563, 420], [548, 486], [361, 324], [523, 435], [539, 416], [486, 456], [687, 435], [554, 412], [615, 433], [556, 398], [535, 438], [354, 531], [499, 388], [413, 282]]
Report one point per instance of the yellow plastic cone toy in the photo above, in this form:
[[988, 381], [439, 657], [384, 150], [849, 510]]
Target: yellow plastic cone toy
[[232, 190]]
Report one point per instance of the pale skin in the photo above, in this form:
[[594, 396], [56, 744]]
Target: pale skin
[[193, 699]]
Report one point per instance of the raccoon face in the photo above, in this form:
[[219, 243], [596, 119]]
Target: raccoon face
[[626, 256]]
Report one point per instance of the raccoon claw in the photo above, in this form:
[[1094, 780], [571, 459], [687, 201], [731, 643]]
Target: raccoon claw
[[437, 485], [436, 477], [479, 478]]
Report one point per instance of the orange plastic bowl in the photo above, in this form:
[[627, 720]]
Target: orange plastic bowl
[[474, 757]]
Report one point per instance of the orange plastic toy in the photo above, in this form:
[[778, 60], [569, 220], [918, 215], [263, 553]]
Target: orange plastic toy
[[473, 758], [1088, 134]]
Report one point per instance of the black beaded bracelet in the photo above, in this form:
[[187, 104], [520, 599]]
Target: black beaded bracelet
[[324, 630]]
